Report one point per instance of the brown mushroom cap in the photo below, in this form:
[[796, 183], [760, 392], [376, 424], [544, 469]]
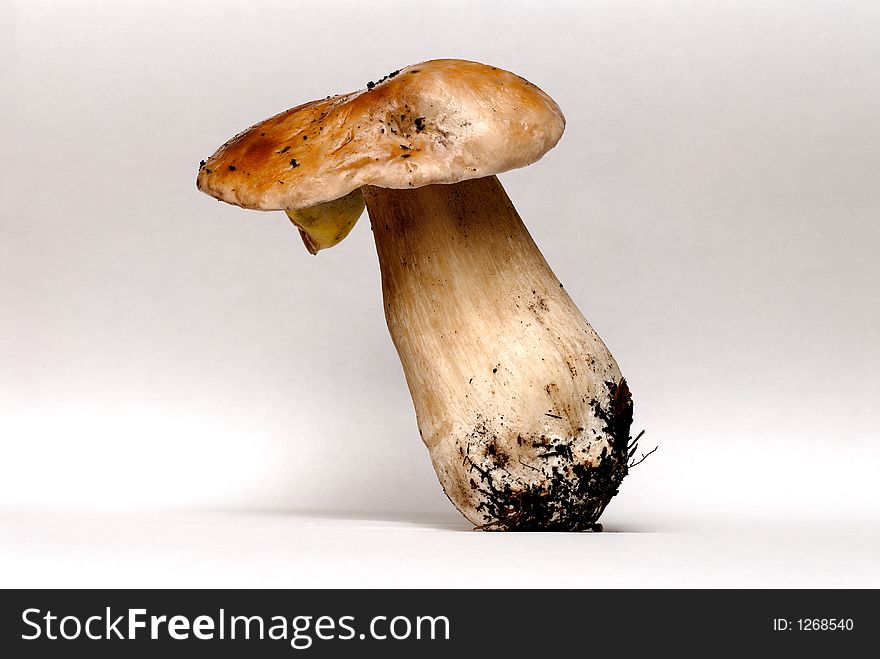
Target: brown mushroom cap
[[440, 121]]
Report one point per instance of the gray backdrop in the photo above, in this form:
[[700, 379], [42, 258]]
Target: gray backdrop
[[161, 349]]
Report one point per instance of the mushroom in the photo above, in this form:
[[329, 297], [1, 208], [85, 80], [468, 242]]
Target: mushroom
[[522, 407]]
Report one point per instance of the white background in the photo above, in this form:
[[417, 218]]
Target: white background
[[189, 398]]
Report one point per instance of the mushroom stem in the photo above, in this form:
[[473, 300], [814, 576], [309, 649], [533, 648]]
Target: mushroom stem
[[521, 405]]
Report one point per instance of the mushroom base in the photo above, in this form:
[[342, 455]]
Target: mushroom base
[[559, 492]]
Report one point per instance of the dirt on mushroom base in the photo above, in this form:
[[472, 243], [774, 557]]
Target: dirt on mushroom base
[[567, 495]]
